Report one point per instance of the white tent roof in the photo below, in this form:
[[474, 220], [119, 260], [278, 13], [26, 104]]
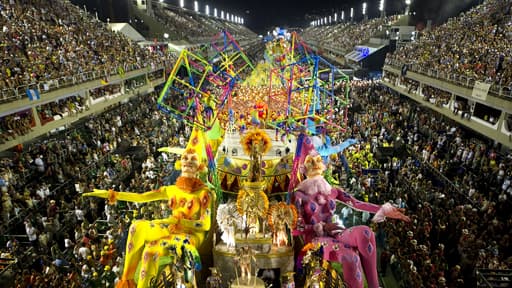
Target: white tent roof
[[127, 30]]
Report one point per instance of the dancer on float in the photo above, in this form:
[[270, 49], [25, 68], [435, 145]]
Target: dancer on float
[[354, 247], [191, 203]]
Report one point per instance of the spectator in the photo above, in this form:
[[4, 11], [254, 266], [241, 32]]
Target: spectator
[[32, 234]]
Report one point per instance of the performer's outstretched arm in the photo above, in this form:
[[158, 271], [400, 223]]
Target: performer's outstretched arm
[[380, 211], [160, 194], [351, 201]]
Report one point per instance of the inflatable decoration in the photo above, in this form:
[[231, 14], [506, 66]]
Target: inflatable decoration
[[191, 203], [354, 247]]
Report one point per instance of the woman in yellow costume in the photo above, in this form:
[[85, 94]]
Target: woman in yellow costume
[[191, 203]]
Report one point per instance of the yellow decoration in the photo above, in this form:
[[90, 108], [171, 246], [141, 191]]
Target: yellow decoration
[[280, 214], [252, 202], [256, 137], [280, 217], [177, 165], [112, 197]]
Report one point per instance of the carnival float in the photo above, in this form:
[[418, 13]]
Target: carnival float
[[252, 201]]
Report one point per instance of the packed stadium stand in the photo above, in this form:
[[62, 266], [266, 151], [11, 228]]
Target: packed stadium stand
[[78, 111]]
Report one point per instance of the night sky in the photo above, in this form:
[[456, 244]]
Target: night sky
[[263, 15]]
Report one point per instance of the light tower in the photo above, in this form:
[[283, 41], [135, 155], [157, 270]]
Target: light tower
[[365, 16], [381, 9], [407, 6]]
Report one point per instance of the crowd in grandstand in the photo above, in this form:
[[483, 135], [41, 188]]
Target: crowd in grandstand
[[47, 45], [61, 226], [196, 27], [450, 50], [455, 187], [459, 222], [344, 37]]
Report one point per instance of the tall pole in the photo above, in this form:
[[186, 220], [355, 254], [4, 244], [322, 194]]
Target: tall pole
[[408, 6], [382, 8]]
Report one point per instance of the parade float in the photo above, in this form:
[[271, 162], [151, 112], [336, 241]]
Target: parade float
[[252, 203]]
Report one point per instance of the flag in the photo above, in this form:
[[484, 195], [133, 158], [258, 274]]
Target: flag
[[33, 94]]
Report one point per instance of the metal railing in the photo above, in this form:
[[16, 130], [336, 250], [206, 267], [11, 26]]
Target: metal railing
[[458, 79], [494, 277], [46, 86]]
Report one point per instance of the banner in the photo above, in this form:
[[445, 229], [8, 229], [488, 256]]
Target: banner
[[33, 94], [480, 90]]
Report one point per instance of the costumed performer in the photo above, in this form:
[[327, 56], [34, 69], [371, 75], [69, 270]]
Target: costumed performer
[[353, 247], [191, 203]]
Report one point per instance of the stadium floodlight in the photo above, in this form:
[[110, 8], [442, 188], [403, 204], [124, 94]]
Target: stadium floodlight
[[351, 12], [243, 21], [222, 15], [330, 20], [166, 35], [364, 8], [407, 6], [182, 3], [325, 20], [215, 12], [342, 15], [382, 9], [207, 10], [227, 16], [335, 17], [196, 6], [161, 1]]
